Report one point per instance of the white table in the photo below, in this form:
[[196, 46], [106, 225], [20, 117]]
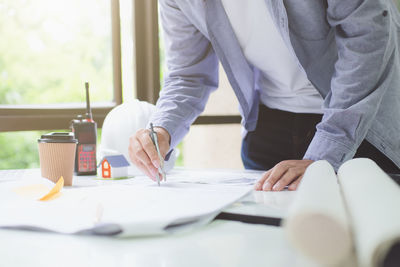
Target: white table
[[221, 243]]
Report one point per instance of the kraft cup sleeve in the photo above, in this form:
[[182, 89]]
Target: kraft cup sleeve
[[57, 159], [317, 224], [373, 201]]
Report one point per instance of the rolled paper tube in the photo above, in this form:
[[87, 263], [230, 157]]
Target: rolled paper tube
[[317, 224], [373, 201]]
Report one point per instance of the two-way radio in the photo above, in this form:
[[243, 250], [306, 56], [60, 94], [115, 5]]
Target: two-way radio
[[85, 130]]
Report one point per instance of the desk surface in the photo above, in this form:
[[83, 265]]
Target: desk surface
[[221, 243]]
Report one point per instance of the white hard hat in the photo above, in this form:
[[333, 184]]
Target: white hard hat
[[122, 122]]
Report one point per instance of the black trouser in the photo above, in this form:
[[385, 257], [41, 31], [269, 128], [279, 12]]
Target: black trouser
[[282, 135]]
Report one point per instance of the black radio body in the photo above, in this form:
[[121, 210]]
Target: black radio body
[[85, 130]]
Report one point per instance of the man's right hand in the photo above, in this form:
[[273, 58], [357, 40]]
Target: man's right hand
[[143, 153]]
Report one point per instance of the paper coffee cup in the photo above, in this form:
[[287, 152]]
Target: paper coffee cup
[[57, 156]]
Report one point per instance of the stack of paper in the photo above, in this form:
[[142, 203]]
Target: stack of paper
[[127, 210]]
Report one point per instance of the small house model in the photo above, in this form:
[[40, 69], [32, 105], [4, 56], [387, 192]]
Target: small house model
[[114, 166]]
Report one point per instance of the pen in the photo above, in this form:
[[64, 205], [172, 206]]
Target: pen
[[154, 138]]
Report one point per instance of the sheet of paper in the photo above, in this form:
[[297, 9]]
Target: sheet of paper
[[151, 209], [33, 191], [257, 203], [268, 204], [141, 209], [179, 175], [12, 175], [217, 176]]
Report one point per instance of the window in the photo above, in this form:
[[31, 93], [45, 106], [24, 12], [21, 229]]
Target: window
[[49, 49], [52, 48]]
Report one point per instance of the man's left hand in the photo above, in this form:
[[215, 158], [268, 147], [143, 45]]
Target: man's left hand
[[288, 172]]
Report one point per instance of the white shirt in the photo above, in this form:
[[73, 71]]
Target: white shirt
[[283, 84]]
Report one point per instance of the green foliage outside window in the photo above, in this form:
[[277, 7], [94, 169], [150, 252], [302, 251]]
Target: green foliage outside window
[[19, 150], [49, 48]]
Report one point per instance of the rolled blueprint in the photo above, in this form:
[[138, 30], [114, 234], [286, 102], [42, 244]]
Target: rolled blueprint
[[373, 202], [317, 224]]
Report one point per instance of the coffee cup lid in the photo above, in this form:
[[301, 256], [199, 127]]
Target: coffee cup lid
[[60, 137]]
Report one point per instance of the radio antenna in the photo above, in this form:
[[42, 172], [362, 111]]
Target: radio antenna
[[88, 109]]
